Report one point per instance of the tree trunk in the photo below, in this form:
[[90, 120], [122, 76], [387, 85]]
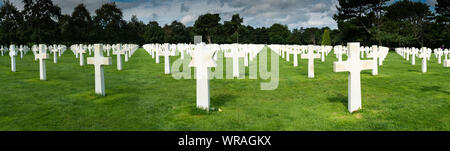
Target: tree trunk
[[209, 39]]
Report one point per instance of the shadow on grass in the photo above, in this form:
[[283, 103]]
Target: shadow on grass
[[414, 70], [216, 102], [339, 98], [433, 88]]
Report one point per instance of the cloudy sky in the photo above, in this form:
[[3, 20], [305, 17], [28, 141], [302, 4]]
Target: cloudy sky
[[258, 13]]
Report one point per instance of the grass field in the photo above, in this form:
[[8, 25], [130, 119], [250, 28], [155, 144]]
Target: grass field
[[142, 97]]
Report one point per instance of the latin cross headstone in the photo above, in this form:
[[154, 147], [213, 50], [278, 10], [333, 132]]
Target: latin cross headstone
[[413, 56], [310, 56], [202, 60], [295, 53], [81, 51], [235, 55], [42, 56], [353, 65], [55, 58], [166, 54], [424, 56], [21, 50], [374, 55], [13, 54], [322, 51], [2, 50], [119, 51], [98, 61]]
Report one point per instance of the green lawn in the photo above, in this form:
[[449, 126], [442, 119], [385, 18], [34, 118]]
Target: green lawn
[[142, 97]]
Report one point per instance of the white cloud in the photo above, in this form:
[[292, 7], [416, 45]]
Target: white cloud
[[188, 19]]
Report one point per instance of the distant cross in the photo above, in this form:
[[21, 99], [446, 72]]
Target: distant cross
[[202, 60], [235, 55], [55, 58], [41, 56], [374, 55], [81, 51], [98, 61], [413, 55], [295, 53], [353, 65], [158, 49], [2, 50], [424, 56], [21, 50], [166, 53], [127, 52], [310, 56], [118, 53], [322, 51], [288, 53], [13, 54]]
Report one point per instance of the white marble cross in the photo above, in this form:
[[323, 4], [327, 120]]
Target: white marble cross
[[235, 55], [166, 52], [374, 55], [322, 51], [127, 52], [424, 56], [98, 61], [81, 51], [310, 56], [353, 65], [157, 54], [13, 54], [21, 50], [413, 55], [55, 58], [295, 53], [41, 56], [288, 53], [446, 60], [118, 53], [202, 60], [2, 50], [447, 63]]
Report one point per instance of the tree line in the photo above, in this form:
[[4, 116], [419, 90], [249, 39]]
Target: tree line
[[403, 23]]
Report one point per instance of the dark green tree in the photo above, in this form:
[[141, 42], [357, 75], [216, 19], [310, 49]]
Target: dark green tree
[[80, 28], [109, 24], [176, 33], [206, 25], [234, 26], [65, 30], [41, 21], [278, 34], [153, 33], [134, 31], [10, 23], [312, 36], [326, 40], [410, 17], [361, 20]]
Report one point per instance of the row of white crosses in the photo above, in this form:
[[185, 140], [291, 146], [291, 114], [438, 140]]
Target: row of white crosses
[[204, 57], [423, 53], [307, 52], [13, 52], [235, 51], [438, 52], [57, 50], [339, 50]]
